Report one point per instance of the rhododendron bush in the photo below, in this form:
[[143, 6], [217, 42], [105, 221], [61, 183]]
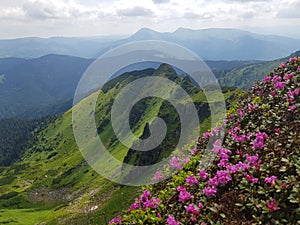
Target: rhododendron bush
[[255, 176]]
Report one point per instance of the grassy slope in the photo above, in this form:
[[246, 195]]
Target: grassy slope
[[244, 77], [53, 177], [266, 191]]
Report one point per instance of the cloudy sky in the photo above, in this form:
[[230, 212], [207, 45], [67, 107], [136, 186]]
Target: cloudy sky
[[45, 18]]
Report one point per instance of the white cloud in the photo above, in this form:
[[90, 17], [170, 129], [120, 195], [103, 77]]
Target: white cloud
[[12, 13], [160, 1], [244, 1], [194, 15], [94, 17], [136, 11], [290, 9]]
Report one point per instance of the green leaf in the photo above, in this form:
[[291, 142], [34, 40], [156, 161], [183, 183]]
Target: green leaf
[[282, 169], [223, 215], [213, 209], [284, 160]]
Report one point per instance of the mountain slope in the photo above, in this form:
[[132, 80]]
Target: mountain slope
[[35, 87], [37, 47], [244, 76], [15, 136], [31, 88], [52, 183], [255, 173]]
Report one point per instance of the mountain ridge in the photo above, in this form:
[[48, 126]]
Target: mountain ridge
[[52, 172], [209, 44], [251, 176]]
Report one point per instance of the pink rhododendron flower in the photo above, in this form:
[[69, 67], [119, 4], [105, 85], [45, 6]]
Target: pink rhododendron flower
[[242, 166], [210, 191], [291, 95], [282, 64], [206, 135], [283, 186], [249, 135], [231, 116], [116, 220], [203, 175], [135, 205], [239, 152], [193, 218], [184, 196], [270, 180], [288, 76], [158, 215], [260, 92], [223, 176], [290, 100], [217, 130], [200, 205], [180, 188], [251, 107], [276, 79], [232, 169], [191, 208], [259, 140], [242, 138], [294, 93], [250, 178], [238, 138], [171, 221], [191, 180], [240, 113], [157, 176], [217, 144], [223, 163], [195, 151], [152, 203], [175, 163], [214, 181], [223, 153], [252, 159], [292, 60], [257, 164], [272, 206], [279, 85], [273, 93], [145, 196], [236, 129], [186, 160], [292, 107], [223, 156], [298, 68], [277, 130], [266, 79]]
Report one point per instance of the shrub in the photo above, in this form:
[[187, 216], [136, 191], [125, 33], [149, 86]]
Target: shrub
[[255, 175]]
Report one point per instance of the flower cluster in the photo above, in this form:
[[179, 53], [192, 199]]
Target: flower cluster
[[255, 175]]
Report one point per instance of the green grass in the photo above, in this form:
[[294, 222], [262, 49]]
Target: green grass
[[23, 216], [54, 163], [120, 199]]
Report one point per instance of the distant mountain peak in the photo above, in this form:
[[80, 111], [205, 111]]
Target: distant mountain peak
[[182, 29], [165, 69], [145, 33], [145, 29]]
